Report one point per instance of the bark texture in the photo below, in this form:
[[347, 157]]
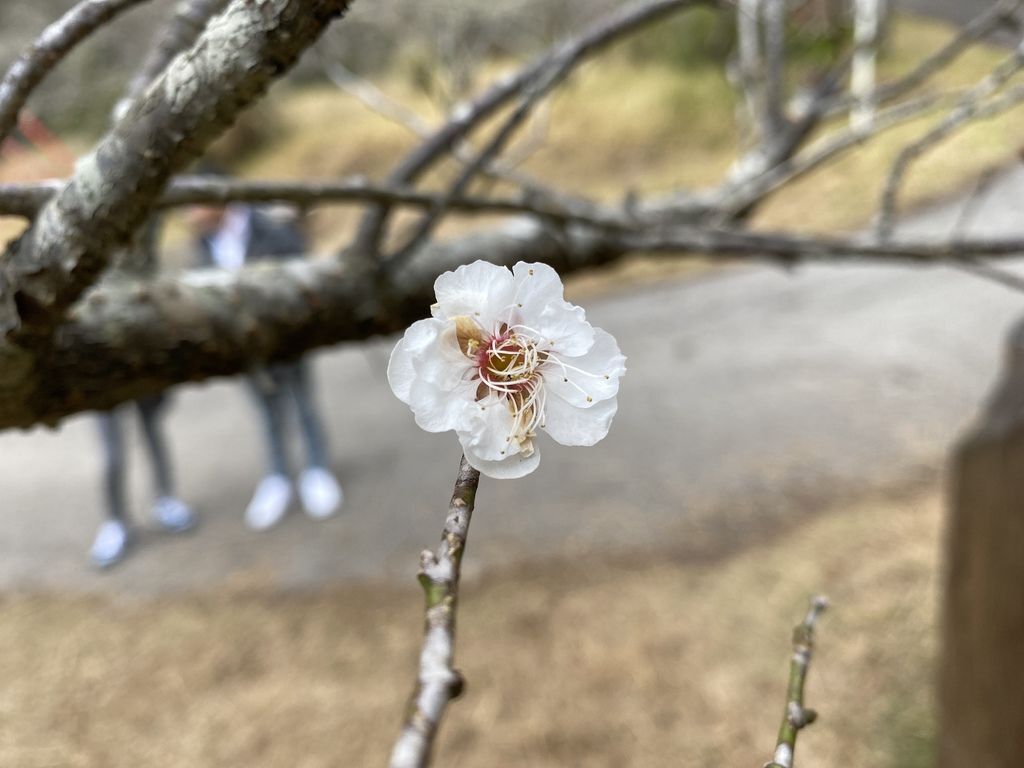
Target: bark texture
[[115, 188], [982, 667]]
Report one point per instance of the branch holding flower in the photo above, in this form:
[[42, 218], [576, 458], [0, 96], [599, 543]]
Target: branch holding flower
[[503, 356]]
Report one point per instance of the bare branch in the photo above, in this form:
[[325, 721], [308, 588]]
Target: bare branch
[[466, 117], [114, 188], [1000, 15], [181, 32], [438, 681], [48, 50], [374, 98], [130, 339], [740, 195], [533, 94], [796, 716], [970, 107], [27, 199]]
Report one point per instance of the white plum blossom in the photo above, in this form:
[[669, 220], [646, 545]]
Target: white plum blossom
[[503, 356]]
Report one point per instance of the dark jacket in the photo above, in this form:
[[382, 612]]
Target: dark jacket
[[270, 239]]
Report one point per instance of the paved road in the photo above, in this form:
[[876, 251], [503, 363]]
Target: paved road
[[751, 394]]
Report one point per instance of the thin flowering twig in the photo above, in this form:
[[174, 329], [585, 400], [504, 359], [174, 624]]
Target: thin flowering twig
[[796, 716], [438, 682]]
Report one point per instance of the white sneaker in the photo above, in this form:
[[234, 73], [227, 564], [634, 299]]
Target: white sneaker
[[269, 503], [320, 493], [173, 514], [110, 544]]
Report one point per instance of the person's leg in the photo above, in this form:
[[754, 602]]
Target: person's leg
[[274, 493], [111, 539], [297, 376], [319, 490], [267, 386], [170, 512]]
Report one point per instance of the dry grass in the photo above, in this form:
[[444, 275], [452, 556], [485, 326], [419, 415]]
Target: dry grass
[[588, 663]]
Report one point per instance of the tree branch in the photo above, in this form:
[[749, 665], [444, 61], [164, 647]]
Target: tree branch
[[969, 107], [466, 117], [128, 339], [48, 50], [27, 199], [796, 716], [180, 33], [438, 681], [115, 187]]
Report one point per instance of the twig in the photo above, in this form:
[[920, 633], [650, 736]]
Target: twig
[[26, 199], [438, 681], [466, 117], [796, 716], [969, 107], [1001, 14], [486, 156], [48, 50]]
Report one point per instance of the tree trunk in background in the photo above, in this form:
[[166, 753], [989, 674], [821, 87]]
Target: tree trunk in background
[[982, 668]]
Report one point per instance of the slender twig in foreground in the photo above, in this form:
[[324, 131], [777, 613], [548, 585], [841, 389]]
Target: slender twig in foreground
[[438, 682], [796, 715]]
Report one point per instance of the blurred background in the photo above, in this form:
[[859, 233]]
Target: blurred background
[[779, 433]]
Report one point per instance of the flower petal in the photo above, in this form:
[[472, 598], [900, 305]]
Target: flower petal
[[541, 308], [439, 410], [441, 362], [509, 468], [480, 290], [570, 425], [597, 375], [401, 369], [490, 436]]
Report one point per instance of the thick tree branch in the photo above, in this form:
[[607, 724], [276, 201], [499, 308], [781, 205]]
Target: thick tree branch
[[796, 716], [180, 33], [48, 50], [129, 339], [438, 682], [115, 187]]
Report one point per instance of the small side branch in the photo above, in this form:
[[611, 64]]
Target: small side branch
[[796, 716], [49, 49], [466, 117], [972, 106], [438, 681]]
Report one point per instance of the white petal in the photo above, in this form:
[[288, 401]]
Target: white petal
[[537, 285], [570, 425], [439, 410], [441, 362], [541, 307], [491, 431], [508, 469], [564, 329], [601, 369], [479, 290], [401, 370]]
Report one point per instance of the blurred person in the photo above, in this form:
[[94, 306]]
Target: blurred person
[[230, 237], [169, 512]]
